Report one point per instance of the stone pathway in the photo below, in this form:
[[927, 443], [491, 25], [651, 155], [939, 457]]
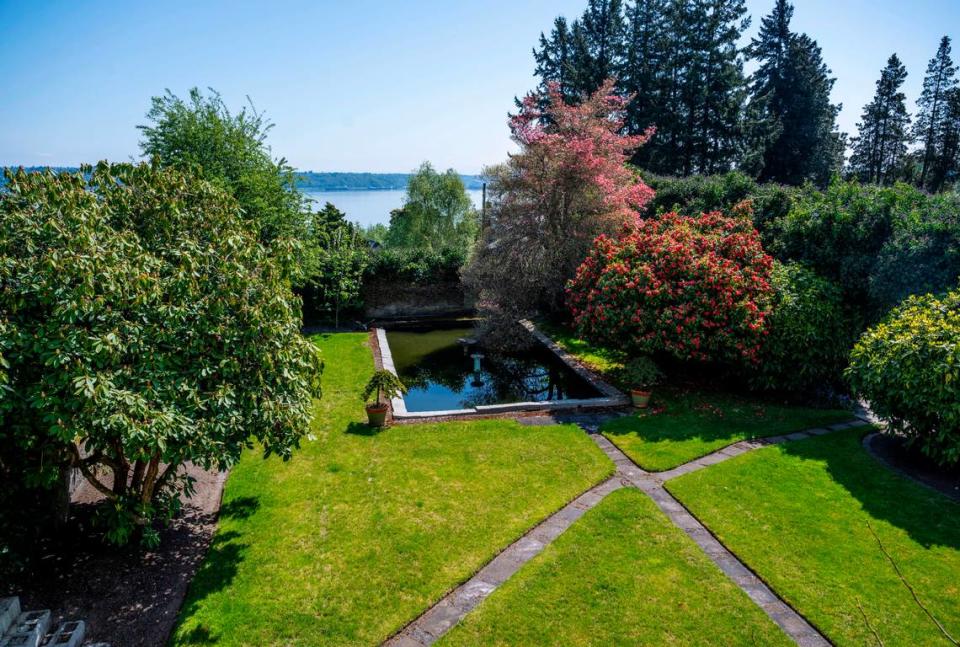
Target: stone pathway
[[441, 617]]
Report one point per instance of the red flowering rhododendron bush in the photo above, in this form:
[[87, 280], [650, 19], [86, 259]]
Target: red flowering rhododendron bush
[[694, 287], [568, 184]]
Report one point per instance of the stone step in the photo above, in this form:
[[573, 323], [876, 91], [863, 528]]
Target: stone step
[[9, 610]]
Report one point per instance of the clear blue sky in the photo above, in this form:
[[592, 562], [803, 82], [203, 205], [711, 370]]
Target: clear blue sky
[[358, 85]]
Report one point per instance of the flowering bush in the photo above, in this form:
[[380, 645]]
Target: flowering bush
[[694, 287], [907, 368]]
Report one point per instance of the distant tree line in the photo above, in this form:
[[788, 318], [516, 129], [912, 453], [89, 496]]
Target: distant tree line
[[682, 64]]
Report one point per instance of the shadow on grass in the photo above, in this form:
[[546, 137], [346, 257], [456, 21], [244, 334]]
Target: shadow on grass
[[929, 517], [362, 429], [679, 416], [215, 574], [240, 508]]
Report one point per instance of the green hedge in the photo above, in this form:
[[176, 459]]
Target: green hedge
[[416, 266], [908, 368], [809, 333]]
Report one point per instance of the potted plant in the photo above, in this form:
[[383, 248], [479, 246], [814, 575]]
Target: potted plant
[[387, 386], [642, 375]]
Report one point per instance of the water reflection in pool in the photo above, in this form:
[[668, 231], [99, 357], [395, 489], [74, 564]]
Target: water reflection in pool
[[442, 373]]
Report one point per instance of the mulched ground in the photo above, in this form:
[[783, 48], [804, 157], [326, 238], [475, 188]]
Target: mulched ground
[[128, 597], [909, 461]]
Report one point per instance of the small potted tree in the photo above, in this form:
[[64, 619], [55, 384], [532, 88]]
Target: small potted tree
[[642, 375], [387, 386]]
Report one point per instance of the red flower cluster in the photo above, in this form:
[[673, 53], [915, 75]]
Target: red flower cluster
[[695, 287]]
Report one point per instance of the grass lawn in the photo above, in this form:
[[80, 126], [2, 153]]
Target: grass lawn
[[684, 425], [362, 531], [798, 514], [621, 575]]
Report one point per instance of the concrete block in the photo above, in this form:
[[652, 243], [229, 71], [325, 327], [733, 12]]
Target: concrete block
[[69, 634], [9, 610], [28, 630]]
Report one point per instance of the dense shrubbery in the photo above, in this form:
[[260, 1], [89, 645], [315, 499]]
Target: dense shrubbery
[[697, 288], [908, 368], [416, 266], [809, 334], [880, 244]]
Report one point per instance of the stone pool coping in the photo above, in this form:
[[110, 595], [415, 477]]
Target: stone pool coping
[[611, 396]]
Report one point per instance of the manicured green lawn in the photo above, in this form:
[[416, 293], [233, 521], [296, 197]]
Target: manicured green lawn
[[798, 514], [621, 575], [362, 531], [683, 426]]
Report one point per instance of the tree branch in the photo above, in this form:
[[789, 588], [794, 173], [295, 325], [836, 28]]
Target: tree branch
[[87, 474]]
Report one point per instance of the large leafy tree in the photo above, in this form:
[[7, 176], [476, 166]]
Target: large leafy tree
[[230, 149], [339, 256], [933, 125], [436, 215], [144, 325], [568, 184], [880, 148], [793, 121]]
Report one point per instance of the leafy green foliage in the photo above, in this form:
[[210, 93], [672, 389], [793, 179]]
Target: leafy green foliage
[[908, 368], [641, 373], [231, 151], [385, 384], [809, 333], [437, 214], [338, 257], [416, 266], [144, 326]]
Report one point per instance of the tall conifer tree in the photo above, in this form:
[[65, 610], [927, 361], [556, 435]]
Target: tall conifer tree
[[793, 118], [932, 122], [880, 148]]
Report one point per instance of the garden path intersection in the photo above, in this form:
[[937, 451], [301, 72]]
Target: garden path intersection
[[444, 615]]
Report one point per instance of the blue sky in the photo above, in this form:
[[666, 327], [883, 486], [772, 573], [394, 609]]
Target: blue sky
[[358, 85]]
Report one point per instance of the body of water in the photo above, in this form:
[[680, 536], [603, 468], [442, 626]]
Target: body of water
[[369, 207], [442, 373]]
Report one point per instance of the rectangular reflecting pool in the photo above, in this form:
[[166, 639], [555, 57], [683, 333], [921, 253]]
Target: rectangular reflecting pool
[[445, 369]]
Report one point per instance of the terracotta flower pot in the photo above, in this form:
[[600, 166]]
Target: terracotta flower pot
[[377, 415], [640, 398]]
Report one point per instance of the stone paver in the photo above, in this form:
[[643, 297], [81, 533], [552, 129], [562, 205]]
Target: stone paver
[[441, 617]]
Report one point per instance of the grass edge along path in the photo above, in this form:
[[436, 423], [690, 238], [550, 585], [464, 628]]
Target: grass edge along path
[[622, 574], [807, 516], [362, 531]]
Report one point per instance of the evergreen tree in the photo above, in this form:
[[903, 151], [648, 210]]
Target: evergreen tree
[[603, 33], [932, 121], [880, 148], [947, 170], [642, 69], [554, 58], [792, 117]]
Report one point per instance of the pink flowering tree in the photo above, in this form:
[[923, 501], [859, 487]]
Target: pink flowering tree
[[568, 184]]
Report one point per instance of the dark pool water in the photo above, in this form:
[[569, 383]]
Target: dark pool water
[[441, 373]]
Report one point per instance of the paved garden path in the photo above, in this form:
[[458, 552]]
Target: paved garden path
[[441, 617]]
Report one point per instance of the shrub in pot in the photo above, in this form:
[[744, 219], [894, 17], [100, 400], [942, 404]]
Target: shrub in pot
[[642, 374], [386, 385], [908, 368]]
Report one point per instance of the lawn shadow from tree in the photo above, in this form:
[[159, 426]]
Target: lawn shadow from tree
[[927, 516], [217, 570]]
